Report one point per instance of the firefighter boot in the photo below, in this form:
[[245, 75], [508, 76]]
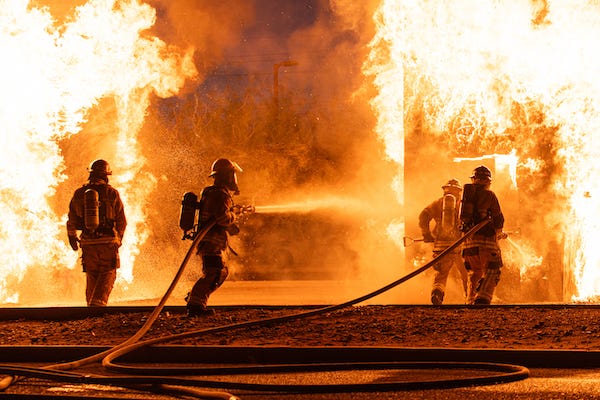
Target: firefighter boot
[[437, 297], [485, 291], [195, 310]]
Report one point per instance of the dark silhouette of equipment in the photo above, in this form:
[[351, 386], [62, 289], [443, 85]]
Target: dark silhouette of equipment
[[188, 215], [91, 210]]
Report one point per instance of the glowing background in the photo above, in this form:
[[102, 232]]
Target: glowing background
[[370, 120]]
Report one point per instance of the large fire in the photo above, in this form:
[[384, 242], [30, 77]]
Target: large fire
[[504, 77], [512, 78], [51, 76]]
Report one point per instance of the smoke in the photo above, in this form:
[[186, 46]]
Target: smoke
[[315, 156], [208, 27], [318, 147], [492, 94], [355, 159]]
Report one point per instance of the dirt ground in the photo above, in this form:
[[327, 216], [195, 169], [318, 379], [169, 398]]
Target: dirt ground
[[514, 327]]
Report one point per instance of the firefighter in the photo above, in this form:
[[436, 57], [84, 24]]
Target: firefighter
[[444, 212], [96, 210], [216, 203], [481, 253]]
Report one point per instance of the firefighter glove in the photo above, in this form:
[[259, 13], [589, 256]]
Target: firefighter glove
[[428, 237], [73, 242], [501, 235], [466, 226], [233, 229]]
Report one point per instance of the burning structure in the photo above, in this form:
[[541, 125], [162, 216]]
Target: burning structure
[[371, 109]]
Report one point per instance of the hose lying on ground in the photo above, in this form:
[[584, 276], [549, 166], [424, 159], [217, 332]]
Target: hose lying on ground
[[500, 373], [510, 373], [6, 381], [122, 350], [514, 372]]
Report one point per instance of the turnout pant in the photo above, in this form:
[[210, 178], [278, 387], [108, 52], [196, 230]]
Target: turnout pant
[[442, 271], [483, 265], [215, 273], [100, 263]]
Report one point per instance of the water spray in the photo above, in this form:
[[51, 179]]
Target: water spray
[[306, 206], [517, 247]]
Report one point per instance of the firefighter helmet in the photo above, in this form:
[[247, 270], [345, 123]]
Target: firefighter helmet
[[224, 173], [100, 167], [223, 165], [452, 184], [482, 172]]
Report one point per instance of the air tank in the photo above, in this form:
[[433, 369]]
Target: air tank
[[187, 216], [91, 210]]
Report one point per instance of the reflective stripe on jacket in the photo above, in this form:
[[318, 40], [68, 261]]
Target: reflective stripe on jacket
[[434, 212]]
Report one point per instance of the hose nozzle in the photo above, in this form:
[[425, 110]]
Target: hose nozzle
[[243, 209]]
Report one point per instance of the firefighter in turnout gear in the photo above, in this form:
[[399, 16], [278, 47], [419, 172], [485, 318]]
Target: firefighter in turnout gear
[[216, 204], [444, 212], [481, 253], [96, 210]]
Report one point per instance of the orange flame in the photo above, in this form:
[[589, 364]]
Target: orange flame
[[51, 76], [490, 77]]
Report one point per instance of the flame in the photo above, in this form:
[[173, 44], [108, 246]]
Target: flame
[[507, 77], [51, 78]]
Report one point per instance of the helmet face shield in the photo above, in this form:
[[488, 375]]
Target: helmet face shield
[[236, 167], [234, 184]]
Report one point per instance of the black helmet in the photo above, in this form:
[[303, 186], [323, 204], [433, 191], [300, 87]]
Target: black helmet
[[223, 165], [100, 167], [224, 173], [452, 184], [482, 172]]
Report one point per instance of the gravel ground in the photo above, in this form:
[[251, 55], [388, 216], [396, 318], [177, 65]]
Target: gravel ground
[[514, 327]]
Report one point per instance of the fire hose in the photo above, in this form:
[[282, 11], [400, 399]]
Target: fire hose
[[56, 369], [121, 351], [508, 373]]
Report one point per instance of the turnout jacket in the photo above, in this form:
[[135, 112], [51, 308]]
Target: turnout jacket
[[485, 204], [112, 215], [444, 235], [216, 203]]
